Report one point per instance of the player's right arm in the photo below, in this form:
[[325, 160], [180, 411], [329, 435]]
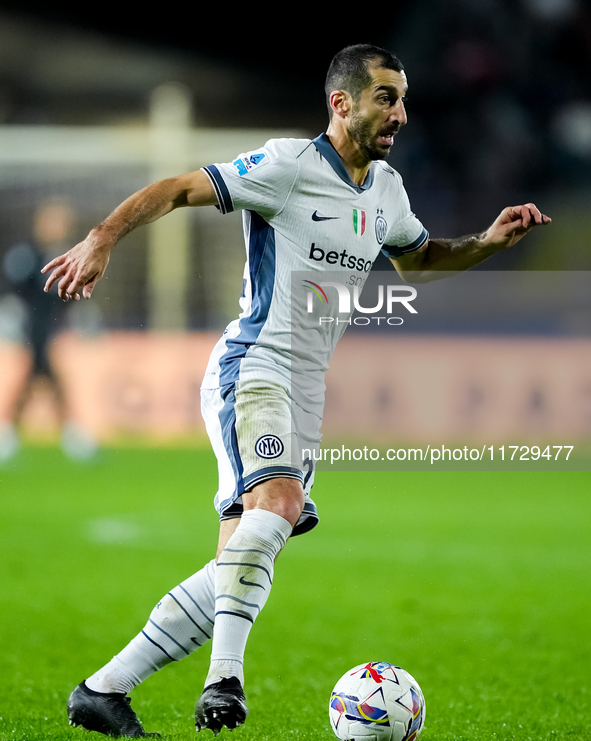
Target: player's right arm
[[79, 269]]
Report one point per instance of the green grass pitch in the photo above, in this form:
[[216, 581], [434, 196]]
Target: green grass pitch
[[477, 583]]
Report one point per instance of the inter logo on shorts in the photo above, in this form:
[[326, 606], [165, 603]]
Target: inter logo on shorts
[[269, 446]]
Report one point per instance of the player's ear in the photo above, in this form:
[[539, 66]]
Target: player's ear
[[341, 103]]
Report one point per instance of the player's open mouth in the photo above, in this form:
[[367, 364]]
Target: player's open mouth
[[386, 140]]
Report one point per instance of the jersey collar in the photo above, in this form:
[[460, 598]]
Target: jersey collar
[[326, 149]]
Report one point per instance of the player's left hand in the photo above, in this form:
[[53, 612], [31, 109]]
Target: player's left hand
[[513, 223]]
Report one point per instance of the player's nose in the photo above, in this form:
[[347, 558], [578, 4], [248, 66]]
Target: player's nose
[[399, 113]]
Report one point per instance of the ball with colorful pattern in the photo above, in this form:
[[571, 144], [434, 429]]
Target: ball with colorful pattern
[[377, 701]]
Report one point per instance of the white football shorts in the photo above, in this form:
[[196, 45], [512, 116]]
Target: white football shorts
[[258, 433]]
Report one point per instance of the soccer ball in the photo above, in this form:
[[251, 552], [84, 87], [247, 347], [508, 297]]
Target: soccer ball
[[377, 702]]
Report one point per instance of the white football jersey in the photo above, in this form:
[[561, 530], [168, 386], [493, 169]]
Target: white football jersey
[[303, 216]]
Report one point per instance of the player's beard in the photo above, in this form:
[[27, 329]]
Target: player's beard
[[360, 131]]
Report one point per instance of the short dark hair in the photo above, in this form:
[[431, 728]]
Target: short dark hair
[[350, 69]]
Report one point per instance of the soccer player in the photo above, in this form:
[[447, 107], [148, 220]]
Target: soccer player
[[319, 205], [53, 225]]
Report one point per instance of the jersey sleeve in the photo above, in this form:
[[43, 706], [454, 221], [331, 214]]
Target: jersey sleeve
[[407, 234], [260, 180]]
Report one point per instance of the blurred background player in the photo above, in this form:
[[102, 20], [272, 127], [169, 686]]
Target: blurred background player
[[40, 316]]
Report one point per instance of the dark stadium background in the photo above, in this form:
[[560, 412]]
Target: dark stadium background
[[498, 104], [499, 112]]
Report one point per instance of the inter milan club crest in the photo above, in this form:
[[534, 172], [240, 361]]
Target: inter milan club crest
[[269, 446], [359, 221], [381, 227]]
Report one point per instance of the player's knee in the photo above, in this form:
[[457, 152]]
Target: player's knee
[[284, 497]]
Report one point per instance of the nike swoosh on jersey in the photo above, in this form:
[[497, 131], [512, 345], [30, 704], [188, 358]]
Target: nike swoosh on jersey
[[315, 217]]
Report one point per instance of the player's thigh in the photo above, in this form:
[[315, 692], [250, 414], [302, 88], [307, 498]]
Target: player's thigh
[[258, 436], [265, 432]]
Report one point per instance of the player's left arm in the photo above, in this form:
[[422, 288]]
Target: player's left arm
[[440, 258]]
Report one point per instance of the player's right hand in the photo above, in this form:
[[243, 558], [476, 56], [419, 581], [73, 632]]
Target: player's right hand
[[78, 270]]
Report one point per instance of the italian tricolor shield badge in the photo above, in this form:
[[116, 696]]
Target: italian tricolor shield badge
[[359, 222]]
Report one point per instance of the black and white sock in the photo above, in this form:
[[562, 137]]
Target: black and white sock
[[179, 624], [244, 575]]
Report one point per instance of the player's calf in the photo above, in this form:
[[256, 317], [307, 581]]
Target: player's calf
[[244, 575]]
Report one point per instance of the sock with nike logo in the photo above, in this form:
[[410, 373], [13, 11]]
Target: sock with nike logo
[[179, 624], [244, 575]]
